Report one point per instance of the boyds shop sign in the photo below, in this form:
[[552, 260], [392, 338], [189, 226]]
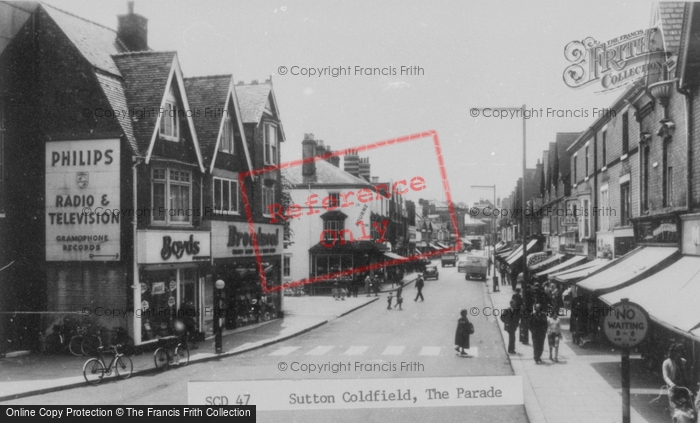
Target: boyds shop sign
[[83, 200], [173, 246], [617, 62], [234, 239]]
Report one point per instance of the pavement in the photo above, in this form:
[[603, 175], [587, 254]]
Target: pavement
[[35, 374], [584, 386]]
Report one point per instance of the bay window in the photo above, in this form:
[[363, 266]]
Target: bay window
[[172, 196]]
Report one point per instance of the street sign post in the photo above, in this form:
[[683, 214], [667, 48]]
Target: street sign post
[[626, 324]]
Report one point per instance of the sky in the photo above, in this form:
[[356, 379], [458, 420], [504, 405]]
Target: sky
[[476, 54]]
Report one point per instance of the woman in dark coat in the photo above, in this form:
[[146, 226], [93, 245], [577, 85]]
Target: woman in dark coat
[[462, 333]]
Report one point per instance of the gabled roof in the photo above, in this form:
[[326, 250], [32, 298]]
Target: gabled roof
[[253, 98], [146, 75], [95, 42], [326, 174], [212, 93]]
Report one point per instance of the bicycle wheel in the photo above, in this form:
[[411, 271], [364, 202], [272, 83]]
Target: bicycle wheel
[[93, 371], [160, 357], [124, 366], [182, 354], [91, 344], [76, 345], [128, 345]]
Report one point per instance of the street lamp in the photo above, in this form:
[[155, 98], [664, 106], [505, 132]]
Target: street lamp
[[220, 284], [493, 241]]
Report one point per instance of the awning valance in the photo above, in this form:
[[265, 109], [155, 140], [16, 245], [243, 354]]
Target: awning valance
[[517, 254], [580, 272], [561, 266], [635, 266], [394, 256], [543, 264], [669, 296]]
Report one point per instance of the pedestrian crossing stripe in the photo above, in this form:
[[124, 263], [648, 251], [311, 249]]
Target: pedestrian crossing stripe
[[285, 351], [355, 350], [394, 350], [320, 350], [427, 351]]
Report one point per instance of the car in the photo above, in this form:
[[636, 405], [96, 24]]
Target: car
[[431, 271], [462, 266]]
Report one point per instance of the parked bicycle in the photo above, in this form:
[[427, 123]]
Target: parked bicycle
[[95, 369], [62, 338], [172, 350], [92, 342]]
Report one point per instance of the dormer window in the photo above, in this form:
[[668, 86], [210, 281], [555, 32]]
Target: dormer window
[[226, 144], [169, 122]]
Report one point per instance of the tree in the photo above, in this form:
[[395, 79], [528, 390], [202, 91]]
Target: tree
[[286, 202]]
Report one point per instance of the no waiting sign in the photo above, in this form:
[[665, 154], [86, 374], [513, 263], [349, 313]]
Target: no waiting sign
[[626, 324]]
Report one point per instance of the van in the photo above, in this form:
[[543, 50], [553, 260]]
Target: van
[[477, 267]]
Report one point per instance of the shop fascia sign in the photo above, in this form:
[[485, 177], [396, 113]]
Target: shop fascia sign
[[173, 246], [615, 63], [234, 239]]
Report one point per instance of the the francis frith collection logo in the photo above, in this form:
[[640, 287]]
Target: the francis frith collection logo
[[617, 62]]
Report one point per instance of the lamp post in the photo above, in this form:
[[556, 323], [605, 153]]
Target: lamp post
[[219, 285], [522, 110]]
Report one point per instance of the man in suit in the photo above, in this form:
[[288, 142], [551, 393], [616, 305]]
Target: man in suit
[[419, 287], [510, 318], [538, 327]]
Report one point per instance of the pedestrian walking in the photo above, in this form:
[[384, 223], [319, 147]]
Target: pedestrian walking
[[399, 298], [368, 285], [419, 287], [462, 334], [376, 285], [554, 334], [525, 314], [510, 319], [674, 367], [488, 269], [389, 299], [538, 327]]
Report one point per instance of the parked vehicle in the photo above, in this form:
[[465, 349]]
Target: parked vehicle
[[462, 266], [431, 271], [477, 267], [448, 259]]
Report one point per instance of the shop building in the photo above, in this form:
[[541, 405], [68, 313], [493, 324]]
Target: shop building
[[112, 128], [236, 145], [333, 232]]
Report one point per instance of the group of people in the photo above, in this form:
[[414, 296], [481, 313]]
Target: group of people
[[420, 283]]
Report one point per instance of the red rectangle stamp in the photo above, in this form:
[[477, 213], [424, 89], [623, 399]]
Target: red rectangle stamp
[[344, 222]]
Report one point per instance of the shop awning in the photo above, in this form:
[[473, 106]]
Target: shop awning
[[561, 266], [633, 267], [465, 241], [394, 256], [543, 264], [515, 256], [442, 246], [346, 248], [435, 247], [580, 272], [669, 296]]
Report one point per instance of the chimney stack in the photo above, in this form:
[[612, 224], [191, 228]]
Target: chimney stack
[[352, 164], [132, 30], [364, 169], [308, 149]]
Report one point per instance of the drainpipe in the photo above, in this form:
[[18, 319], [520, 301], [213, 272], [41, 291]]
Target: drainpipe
[[137, 280], [688, 96]]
